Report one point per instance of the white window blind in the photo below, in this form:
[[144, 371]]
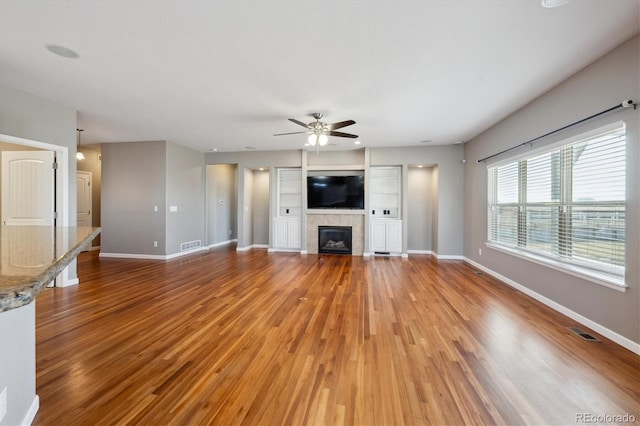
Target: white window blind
[[567, 204]]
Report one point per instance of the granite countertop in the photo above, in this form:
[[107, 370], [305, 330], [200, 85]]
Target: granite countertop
[[32, 256]]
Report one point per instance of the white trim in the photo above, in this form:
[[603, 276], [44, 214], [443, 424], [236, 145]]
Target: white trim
[[366, 254], [601, 278], [608, 333], [152, 256], [94, 248], [186, 252], [31, 413], [70, 282], [419, 252], [303, 252], [360, 212], [284, 250], [447, 256], [405, 255], [253, 246], [133, 256], [223, 243]]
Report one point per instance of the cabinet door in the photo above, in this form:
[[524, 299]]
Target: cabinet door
[[293, 234], [280, 236], [377, 236], [394, 236]]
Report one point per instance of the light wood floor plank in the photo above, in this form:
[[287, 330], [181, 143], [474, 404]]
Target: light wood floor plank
[[253, 338]]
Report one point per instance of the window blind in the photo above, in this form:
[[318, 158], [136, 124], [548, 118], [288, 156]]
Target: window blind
[[567, 203]]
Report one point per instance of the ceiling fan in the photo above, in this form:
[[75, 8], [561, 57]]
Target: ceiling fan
[[319, 132]]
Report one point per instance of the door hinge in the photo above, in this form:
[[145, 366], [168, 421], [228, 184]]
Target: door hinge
[[55, 165], [88, 183], [55, 215]]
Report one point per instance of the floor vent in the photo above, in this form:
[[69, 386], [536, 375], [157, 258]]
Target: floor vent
[[583, 334], [190, 245], [478, 272]]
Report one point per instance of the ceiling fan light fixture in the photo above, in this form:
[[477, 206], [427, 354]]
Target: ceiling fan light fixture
[[323, 139], [312, 139]]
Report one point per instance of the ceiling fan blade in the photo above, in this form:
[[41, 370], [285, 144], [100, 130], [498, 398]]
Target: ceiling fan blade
[[340, 125], [343, 135], [299, 123], [292, 133]]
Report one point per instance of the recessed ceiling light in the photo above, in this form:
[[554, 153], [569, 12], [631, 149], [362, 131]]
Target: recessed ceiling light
[[426, 141], [62, 51], [458, 142], [356, 142], [553, 3], [250, 147], [213, 150]]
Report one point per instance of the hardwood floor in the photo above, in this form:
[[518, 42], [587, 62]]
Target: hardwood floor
[[268, 339]]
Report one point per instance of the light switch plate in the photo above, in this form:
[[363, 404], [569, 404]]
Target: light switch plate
[[173, 209]]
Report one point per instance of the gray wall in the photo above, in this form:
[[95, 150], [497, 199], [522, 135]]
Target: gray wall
[[252, 160], [221, 217], [599, 86], [448, 237], [260, 202], [25, 116], [420, 211], [246, 234], [133, 182], [185, 189]]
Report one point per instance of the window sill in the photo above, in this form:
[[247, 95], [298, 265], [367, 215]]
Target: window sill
[[615, 282]]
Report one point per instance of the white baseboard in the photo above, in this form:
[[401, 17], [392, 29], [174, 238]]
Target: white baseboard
[[304, 252], [186, 252], [94, 248], [70, 282], [608, 333], [419, 252], [223, 243], [447, 256], [133, 256], [31, 413], [252, 246], [152, 256], [283, 250]]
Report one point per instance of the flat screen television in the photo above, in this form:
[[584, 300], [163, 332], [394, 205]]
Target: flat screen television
[[335, 192]]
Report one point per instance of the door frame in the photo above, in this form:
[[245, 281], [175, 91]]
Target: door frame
[[61, 187]]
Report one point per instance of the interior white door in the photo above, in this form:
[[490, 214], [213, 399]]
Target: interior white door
[[27, 187], [83, 187]]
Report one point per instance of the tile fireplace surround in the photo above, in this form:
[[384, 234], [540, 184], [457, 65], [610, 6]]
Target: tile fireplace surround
[[355, 221]]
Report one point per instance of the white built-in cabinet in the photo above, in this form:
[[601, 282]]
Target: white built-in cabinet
[[385, 225], [384, 196], [288, 221], [385, 235]]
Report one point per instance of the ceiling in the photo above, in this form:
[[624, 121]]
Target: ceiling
[[226, 75]]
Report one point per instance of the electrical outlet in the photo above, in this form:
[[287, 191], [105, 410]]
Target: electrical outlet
[[230, 232], [479, 252], [155, 244], [155, 209], [3, 403]]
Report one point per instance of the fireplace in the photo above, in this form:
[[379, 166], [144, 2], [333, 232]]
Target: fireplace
[[334, 239]]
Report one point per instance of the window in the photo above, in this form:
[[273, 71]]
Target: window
[[566, 204]]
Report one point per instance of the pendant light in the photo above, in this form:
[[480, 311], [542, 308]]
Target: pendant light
[[79, 155]]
